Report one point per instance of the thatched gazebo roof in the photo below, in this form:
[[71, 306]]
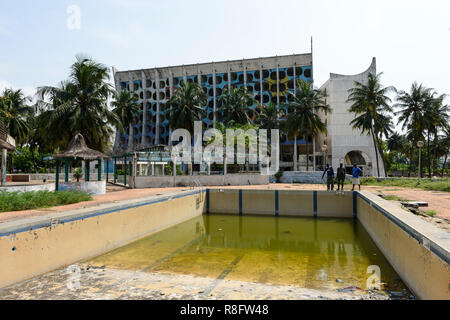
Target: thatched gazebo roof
[[78, 149]]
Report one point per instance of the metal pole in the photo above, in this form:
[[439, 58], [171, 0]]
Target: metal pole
[[420, 160]]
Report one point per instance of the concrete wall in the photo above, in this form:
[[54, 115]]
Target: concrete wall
[[33, 246], [341, 138], [305, 177], [39, 187], [281, 203], [416, 249], [91, 187], [213, 180]]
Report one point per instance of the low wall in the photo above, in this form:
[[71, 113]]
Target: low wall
[[280, 203], [91, 187], [38, 187], [213, 180], [416, 249], [34, 246], [305, 177]]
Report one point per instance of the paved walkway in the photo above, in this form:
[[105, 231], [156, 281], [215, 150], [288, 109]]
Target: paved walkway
[[439, 201]]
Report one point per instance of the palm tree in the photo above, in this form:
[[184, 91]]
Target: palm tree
[[126, 107], [371, 108], [15, 113], [269, 116], [79, 105], [413, 108], [437, 117], [396, 142], [234, 106], [444, 142], [186, 106], [303, 120]]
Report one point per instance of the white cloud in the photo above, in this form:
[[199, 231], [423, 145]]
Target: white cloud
[[27, 90]]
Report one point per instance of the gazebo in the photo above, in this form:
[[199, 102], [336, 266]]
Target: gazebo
[[78, 150]]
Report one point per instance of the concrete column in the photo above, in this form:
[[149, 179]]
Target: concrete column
[[158, 110], [229, 76], [209, 168], [224, 165], [153, 168], [261, 83], [130, 128], [214, 94], [295, 138], [162, 170], [245, 74], [171, 94], [278, 86], [144, 114]]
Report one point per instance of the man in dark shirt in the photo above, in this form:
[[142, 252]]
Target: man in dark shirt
[[330, 177], [340, 178]]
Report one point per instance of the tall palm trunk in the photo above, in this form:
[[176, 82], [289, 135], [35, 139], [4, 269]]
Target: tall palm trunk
[[443, 166], [428, 154], [376, 151], [307, 154], [383, 158]]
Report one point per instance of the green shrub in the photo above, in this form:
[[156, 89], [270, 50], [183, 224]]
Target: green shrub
[[426, 184], [16, 201]]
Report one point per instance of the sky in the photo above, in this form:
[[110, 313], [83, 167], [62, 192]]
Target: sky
[[410, 39]]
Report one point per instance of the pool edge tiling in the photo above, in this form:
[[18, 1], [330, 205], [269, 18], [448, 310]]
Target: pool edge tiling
[[418, 251]]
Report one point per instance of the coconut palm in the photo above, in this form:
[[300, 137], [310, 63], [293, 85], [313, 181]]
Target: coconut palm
[[15, 112], [79, 105], [234, 106], [415, 107], [303, 120], [186, 106], [396, 142], [370, 104], [126, 107], [436, 117], [269, 116], [444, 143]]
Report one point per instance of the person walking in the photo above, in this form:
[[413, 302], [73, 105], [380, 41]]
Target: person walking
[[340, 178], [330, 177], [356, 172]]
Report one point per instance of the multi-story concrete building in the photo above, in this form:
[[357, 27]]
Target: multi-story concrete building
[[269, 79]]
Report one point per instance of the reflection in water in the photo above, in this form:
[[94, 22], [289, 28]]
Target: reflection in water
[[308, 252]]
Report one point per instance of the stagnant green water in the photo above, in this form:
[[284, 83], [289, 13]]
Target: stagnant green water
[[306, 252]]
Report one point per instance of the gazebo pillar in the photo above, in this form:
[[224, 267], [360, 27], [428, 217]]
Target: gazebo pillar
[[99, 169], [115, 170], [87, 170], [66, 170], [57, 176], [125, 170], [107, 169]]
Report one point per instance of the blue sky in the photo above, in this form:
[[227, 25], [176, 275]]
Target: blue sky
[[411, 39]]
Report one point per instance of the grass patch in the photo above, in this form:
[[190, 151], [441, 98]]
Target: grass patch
[[425, 184], [430, 213], [395, 198], [16, 201]]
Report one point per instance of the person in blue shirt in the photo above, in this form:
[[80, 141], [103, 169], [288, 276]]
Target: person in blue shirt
[[330, 177], [356, 172]]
